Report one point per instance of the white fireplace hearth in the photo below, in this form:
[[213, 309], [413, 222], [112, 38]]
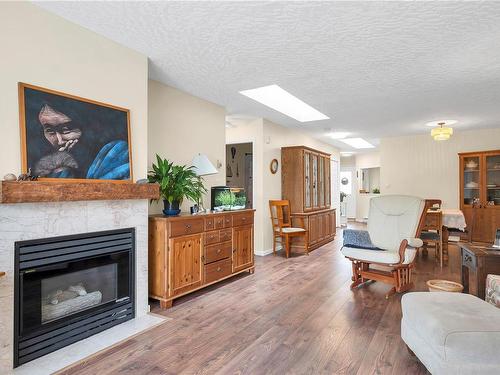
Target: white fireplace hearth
[[26, 221]]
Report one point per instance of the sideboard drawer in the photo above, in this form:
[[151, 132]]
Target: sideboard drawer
[[242, 219], [184, 227], [212, 237], [219, 222], [228, 221], [217, 270], [217, 252], [226, 234], [210, 223]]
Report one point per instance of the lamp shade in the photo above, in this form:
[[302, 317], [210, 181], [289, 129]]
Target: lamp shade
[[203, 166], [441, 133]]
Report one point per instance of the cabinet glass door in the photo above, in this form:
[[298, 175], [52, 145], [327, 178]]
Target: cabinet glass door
[[493, 180], [321, 181], [307, 180], [314, 159], [471, 179]]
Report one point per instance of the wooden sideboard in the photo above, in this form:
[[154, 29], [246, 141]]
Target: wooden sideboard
[[189, 252], [477, 262], [306, 182]]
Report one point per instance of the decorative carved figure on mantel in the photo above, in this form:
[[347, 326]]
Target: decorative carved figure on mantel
[[27, 176]]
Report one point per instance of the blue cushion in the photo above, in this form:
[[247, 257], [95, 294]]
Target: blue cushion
[[427, 236], [359, 239]]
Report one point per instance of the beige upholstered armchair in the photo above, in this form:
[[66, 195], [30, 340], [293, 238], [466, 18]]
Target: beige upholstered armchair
[[391, 242]]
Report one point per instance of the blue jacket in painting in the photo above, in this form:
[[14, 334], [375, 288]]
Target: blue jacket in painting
[[111, 163]]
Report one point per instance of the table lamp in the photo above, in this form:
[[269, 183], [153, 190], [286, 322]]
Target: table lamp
[[203, 167]]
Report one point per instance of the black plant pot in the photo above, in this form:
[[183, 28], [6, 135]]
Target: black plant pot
[[171, 209]]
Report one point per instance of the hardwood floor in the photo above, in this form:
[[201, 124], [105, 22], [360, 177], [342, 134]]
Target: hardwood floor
[[293, 316]]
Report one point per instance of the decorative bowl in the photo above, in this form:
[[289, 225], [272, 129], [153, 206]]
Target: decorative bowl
[[471, 184], [471, 164]]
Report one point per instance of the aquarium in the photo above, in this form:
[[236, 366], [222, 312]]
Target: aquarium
[[225, 198]]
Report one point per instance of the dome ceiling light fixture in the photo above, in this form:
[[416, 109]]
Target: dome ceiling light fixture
[[442, 131]]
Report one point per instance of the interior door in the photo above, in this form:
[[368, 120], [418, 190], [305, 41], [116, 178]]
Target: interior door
[[185, 271], [242, 247], [335, 188], [249, 179]]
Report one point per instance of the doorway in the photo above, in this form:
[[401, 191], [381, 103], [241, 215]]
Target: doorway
[[239, 168]]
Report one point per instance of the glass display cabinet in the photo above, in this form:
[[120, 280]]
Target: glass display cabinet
[[480, 193]]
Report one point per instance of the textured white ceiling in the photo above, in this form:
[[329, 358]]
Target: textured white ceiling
[[375, 68]]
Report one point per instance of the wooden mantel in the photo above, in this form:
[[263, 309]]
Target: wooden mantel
[[55, 191]]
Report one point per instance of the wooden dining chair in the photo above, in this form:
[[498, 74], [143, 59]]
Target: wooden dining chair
[[432, 231], [282, 226]]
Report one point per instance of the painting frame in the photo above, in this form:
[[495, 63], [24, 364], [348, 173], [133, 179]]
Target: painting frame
[[24, 132]]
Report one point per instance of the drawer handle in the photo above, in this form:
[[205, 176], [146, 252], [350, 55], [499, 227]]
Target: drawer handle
[[219, 269], [243, 218], [188, 226], [218, 251]]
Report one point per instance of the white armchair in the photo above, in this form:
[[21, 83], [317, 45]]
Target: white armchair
[[394, 224]]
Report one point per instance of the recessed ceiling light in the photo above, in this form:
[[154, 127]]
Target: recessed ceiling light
[[282, 101], [442, 122], [357, 143], [338, 135]]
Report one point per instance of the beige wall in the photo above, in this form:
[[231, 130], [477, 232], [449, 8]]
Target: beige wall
[[418, 165], [45, 50], [182, 125], [268, 139]]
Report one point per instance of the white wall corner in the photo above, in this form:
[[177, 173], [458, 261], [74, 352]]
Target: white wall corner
[[262, 253]]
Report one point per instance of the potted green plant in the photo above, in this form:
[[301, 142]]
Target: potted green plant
[[176, 183]]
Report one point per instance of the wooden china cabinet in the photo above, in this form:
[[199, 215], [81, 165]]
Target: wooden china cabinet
[[306, 182], [480, 184]]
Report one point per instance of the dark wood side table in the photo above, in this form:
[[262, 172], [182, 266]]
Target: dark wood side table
[[477, 263]]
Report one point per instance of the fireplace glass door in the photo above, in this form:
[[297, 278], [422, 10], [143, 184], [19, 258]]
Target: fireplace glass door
[[62, 291]]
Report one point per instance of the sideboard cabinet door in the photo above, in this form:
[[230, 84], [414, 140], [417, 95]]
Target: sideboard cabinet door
[[185, 264], [242, 247]]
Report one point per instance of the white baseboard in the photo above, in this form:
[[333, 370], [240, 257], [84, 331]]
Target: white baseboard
[[263, 253]]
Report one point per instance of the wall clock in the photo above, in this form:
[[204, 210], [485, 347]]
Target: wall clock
[[274, 166]]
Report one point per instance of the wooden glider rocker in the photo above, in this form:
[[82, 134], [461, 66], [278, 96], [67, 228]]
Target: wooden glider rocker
[[386, 252]]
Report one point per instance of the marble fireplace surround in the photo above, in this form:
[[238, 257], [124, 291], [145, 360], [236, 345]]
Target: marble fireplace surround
[[28, 221]]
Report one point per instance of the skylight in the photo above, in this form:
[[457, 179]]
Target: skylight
[[338, 135], [357, 142], [282, 101]]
